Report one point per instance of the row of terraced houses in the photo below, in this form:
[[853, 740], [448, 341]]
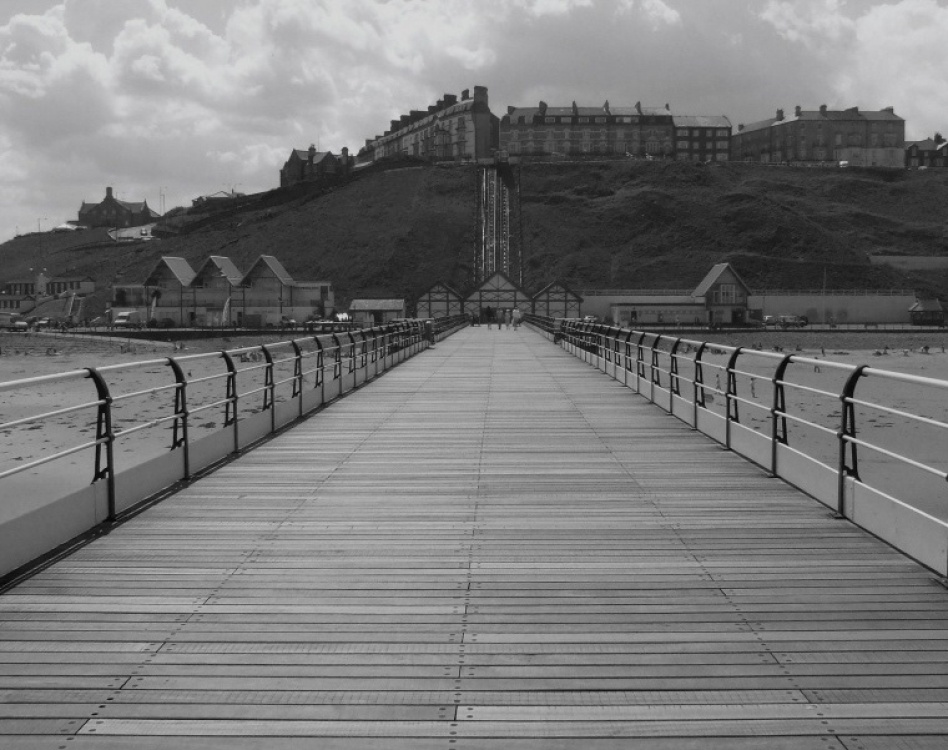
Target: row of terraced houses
[[463, 129]]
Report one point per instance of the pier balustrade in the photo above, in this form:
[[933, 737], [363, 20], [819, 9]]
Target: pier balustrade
[[158, 422], [867, 442]]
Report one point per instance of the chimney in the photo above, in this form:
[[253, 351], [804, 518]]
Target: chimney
[[395, 124], [575, 109], [542, 108], [432, 108], [465, 95], [416, 115], [108, 192], [668, 106], [638, 107], [345, 160], [740, 127], [511, 109], [605, 107], [890, 110], [450, 100], [780, 114], [823, 110], [312, 152], [798, 111], [404, 120]]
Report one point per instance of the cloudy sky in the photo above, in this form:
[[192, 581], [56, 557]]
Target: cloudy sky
[[188, 97]]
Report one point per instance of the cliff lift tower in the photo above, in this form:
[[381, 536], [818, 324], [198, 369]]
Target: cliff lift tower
[[498, 247]]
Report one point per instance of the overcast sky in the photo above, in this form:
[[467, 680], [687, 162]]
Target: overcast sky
[[190, 97]]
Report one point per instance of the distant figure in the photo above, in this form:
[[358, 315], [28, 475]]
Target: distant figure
[[517, 318], [489, 316]]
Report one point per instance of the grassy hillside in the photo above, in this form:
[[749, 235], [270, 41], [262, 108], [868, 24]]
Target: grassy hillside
[[611, 224]]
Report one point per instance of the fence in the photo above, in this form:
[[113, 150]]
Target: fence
[[867, 442], [160, 421]]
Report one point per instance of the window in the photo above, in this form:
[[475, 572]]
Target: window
[[683, 145], [584, 120], [601, 120], [549, 120]]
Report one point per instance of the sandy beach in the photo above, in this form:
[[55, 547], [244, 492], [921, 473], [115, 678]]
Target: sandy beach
[[38, 355]]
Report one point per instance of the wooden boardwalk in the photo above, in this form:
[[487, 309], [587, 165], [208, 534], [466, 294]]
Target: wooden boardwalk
[[492, 546]]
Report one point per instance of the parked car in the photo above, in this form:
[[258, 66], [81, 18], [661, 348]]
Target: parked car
[[770, 320], [792, 321], [128, 319]]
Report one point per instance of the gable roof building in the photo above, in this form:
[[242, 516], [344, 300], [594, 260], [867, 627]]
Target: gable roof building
[[111, 212]]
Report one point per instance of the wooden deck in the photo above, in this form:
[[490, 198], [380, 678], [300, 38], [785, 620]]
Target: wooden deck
[[492, 546]]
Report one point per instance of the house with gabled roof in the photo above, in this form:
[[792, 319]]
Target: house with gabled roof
[[310, 165], [219, 294], [721, 298], [556, 300], [930, 152], [166, 292], [495, 295], [440, 301], [271, 295], [111, 212]]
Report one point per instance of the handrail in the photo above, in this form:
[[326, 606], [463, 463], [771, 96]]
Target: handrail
[[790, 441], [176, 389]]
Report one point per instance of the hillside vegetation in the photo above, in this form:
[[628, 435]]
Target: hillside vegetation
[[621, 224]]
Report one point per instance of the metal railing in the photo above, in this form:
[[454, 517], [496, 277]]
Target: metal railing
[[867, 442], [144, 426]]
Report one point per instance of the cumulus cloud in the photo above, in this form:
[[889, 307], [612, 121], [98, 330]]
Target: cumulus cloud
[[899, 56], [810, 22]]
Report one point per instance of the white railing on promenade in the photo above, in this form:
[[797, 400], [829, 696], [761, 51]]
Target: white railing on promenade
[[869, 443], [120, 435]]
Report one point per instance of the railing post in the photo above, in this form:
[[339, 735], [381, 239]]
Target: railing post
[[181, 415], [698, 401], [337, 359], [730, 391], [655, 374], [847, 429], [639, 362], [230, 408], [269, 387], [105, 439], [778, 412], [319, 368], [628, 358], [298, 375]]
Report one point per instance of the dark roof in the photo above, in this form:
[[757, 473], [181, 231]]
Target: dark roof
[[927, 145], [927, 305]]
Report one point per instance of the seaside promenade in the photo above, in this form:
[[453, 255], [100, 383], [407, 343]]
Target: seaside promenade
[[492, 546]]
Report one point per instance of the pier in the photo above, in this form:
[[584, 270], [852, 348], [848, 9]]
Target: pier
[[493, 545]]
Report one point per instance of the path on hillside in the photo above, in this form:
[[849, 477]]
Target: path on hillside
[[491, 546]]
